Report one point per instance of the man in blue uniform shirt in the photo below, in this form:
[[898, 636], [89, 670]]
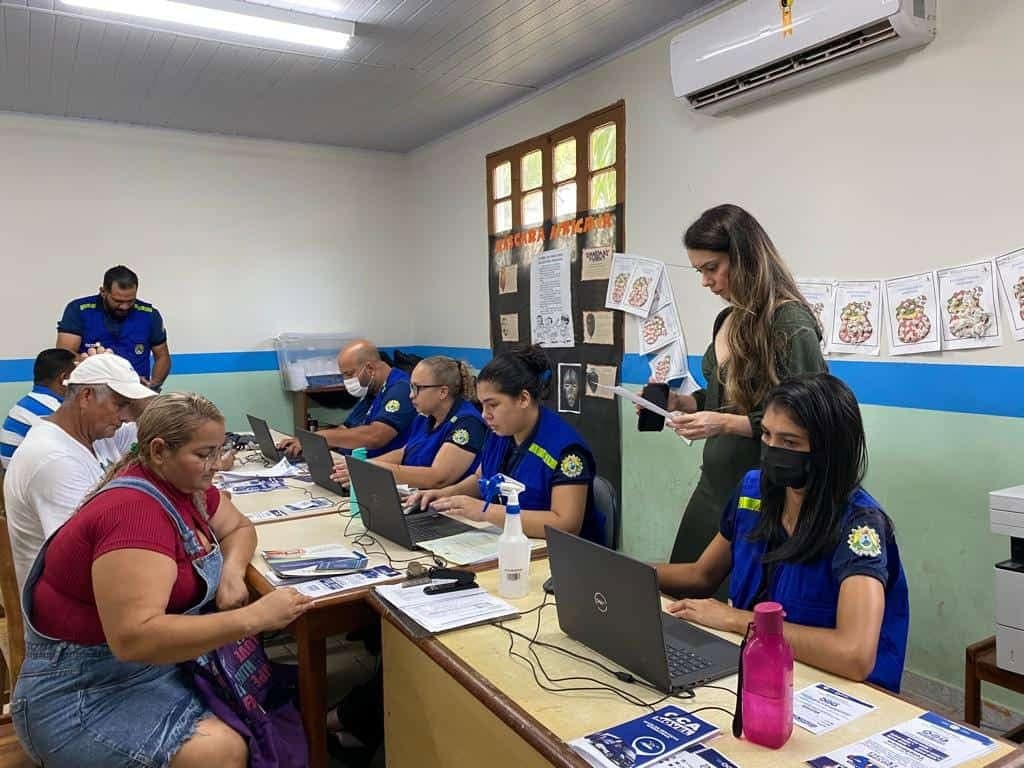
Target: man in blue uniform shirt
[[382, 419], [117, 320]]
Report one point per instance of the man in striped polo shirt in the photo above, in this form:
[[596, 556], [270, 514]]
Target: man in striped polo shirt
[[52, 366]]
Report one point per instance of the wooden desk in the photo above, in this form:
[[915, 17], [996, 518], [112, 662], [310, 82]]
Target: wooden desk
[[458, 699]]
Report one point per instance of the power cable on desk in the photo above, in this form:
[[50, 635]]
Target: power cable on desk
[[365, 539]]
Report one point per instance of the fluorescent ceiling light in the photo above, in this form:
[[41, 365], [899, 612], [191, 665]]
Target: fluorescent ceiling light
[[235, 18]]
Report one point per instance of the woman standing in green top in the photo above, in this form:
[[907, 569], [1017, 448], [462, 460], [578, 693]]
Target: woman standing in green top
[[765, 335]]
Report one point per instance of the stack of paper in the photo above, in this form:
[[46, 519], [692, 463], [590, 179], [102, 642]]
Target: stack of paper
[[448, 610], [283, 468], [647, 740], [333, 585], [469, 547], [314, 562]]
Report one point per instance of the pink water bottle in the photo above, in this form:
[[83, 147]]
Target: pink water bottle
[[767, 680]]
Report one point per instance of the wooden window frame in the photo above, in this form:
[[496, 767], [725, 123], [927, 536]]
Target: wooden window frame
[[580, 130]]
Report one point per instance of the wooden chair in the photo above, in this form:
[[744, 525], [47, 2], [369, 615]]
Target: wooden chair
[[12, 636]]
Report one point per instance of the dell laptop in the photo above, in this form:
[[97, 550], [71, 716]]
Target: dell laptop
[[611, 603], [382, 511], [319, 460]]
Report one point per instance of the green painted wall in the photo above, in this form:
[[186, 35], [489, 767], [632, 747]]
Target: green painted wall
[[932, 472]]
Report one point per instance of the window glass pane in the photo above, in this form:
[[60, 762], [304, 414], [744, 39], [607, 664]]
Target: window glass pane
[[532, 175], [502, 181], [565, 160], [503, 216], [565, 200], [602, 147], [533, 208], [602, 189]]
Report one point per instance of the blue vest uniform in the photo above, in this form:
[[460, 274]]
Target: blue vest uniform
[[555, 454], [131, 338], [391, 405], [809, 592], [463, 427]]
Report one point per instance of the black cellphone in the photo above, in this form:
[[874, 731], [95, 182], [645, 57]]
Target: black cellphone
[[649, 421]]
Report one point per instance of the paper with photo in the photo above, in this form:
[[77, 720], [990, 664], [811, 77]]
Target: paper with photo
[[820, 708], [644, 741], [911, 308], [250, 485], [643, 281], [622, 268], [598, 327], [508, 279], [820, 295], [296, 509], [509, 327], [967, 299], [551, 300], [570, 384], [659, 330], [333, 585], [858, 314], [927, 741], [600, 380], [1010, 267], [669, 363], [597, 263]]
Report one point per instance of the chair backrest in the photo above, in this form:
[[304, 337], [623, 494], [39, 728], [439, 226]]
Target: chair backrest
[[606, 501], [11, 598]]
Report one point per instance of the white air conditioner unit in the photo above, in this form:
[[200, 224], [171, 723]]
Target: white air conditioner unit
[[747, 52]]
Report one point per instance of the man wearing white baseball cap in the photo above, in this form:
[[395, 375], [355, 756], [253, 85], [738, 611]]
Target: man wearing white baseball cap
[[56, 465]]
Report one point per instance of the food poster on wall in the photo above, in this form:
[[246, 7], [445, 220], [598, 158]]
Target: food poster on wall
[[622, 270], [1011, 276], [551, 300], [967, 298], [912, 304], [857, 330], [598, 327], [598, 420], [669, 363], [820, 296], [570, 391], [660, 329], [641, 287], [597, 263]]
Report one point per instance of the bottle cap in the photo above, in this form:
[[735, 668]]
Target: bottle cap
[[768, 618]]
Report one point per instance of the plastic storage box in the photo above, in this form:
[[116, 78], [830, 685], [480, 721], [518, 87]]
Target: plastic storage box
[[309, 360]]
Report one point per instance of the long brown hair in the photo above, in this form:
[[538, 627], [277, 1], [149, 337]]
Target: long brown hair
[[174, 417], [759, 283]]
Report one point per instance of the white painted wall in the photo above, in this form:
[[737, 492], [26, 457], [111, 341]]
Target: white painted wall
[[905, 165], [234, 240]]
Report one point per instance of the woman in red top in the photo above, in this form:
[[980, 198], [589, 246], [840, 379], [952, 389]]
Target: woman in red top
[[146, 575]]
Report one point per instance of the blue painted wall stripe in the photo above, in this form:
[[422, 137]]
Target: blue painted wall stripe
[[984, 389]]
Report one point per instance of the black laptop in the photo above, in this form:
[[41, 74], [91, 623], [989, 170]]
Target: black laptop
[[611, 603], [269, 449], [382, 511], [318, 458]]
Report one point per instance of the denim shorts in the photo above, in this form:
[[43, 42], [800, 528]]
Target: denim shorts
[[77, 706]]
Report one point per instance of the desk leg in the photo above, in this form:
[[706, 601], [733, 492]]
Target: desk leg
[[972, 689], [300, 407], [312, 657]]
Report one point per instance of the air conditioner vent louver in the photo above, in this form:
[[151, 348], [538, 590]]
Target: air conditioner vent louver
[[837, 48]]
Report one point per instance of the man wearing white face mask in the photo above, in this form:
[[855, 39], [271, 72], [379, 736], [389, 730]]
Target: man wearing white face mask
[[381, 420]]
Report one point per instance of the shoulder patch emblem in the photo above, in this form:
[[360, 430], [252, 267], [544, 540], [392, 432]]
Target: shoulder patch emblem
[[864, 541], [392, 406], [460, 436], [572, 465]]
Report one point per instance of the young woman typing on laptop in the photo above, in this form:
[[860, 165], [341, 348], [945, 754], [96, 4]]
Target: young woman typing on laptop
[[446, 437], [801, 531], [532, 444]]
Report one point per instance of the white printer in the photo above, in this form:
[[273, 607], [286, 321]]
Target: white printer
[[1006, 510]]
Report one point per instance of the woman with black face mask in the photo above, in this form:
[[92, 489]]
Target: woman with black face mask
[[802, 532]]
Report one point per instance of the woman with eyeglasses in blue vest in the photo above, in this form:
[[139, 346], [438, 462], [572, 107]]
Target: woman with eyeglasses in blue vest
[[532, 444], [802, 531], [446, 437]]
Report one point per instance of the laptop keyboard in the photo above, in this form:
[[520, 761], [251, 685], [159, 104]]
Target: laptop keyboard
[[682, 661], [426, 527]]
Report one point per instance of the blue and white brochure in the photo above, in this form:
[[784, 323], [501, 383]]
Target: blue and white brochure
[[819, 708], [645, 740], [697, 756], [927, 741]]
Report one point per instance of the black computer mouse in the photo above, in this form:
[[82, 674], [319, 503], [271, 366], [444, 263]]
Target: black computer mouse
[[549, 585]]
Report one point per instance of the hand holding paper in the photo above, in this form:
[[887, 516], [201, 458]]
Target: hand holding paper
[[648, 405]]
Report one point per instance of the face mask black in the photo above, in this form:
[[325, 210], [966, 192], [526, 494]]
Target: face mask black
[[784, 468]]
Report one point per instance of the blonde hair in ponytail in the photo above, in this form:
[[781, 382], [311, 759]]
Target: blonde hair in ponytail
[[175, 418], [454, 374]]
